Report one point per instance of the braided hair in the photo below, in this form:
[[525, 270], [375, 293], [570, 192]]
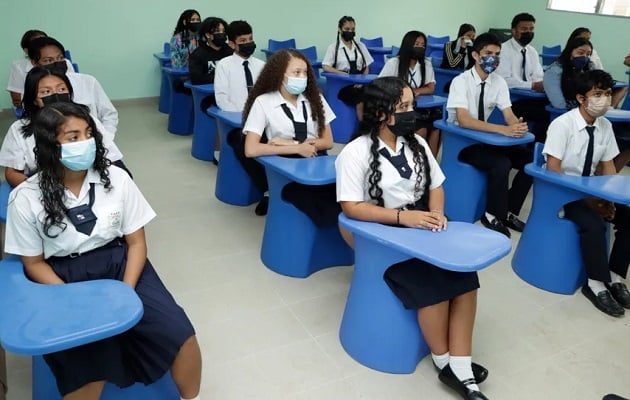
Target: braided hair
[[342, 21]]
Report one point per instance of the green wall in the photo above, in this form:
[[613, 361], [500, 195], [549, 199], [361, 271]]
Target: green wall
[[114, 39]]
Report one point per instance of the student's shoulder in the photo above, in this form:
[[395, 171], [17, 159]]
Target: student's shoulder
[[26, 192], [359, 147]]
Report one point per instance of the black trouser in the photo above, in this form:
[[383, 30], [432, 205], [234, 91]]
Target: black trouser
[[592, 231], [496, 162], [533, 110], [3, 375], [254, 169]]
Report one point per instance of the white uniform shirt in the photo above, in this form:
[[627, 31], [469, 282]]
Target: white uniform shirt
[[511, 64], [567, 140], [230, 85], [596, 61], [19, 70], [343, 63], [266, 115], [17, 151], [120, 211], [465, 91], [353, 171], [415, 76], [88, 91]]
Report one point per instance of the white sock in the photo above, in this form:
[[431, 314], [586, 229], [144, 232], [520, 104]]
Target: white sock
[[596, 286], [441, 360], [490, 217], [462, 368], [615, 278], [194, 398]]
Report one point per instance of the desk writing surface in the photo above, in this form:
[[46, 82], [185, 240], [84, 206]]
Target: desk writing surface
[[307, 171], [380, 49], [162, 56], [175, 71], [495, 139], [428, 100], [527, 93], [354, 78], [207, 88], [232, 118]]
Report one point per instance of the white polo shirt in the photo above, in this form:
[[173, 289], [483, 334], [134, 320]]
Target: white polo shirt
[[88, 91], [120, 211], [230, 85], [353, 171], [465, 91], [19, 70], [511, 64], [17, 151], [266, 115], [567, 140], [343, 62], [415, 75]]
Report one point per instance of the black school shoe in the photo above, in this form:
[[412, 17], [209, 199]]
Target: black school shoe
[[620, 293], [495, 225], [613, 397], [604, 302], [513, 222], [262, 207], [479, 372], [449, 379]]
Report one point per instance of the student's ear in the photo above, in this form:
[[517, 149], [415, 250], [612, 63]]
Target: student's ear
[[475, 55], [232, 45], [580, 98]]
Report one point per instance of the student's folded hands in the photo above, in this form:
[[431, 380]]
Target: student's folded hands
[[434, 221]]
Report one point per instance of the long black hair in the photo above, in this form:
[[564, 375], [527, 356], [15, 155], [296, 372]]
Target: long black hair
[[569, 72], [405, 56], [209, 25], [182, 28], [463, 29], [379, 100], [342, 21], [46, 126]]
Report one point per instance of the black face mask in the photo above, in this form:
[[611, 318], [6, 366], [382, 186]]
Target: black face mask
[[247, 49], [526, 38], [59, 66], [347, 35], [418, 53], [56, 98], [193, 26], [218, 39], [404, 123]]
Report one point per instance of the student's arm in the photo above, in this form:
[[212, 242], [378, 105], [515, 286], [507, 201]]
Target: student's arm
[[198, 67], [467, 121], [16, 99], [552, 82], [324, 141], [136, 257], [450, 58], [222, 88], [14, 176], [254, 148], [553, 164], [429, 88], [618, 95], [329, 59], [38, 270], [607, 167], [626, 61]]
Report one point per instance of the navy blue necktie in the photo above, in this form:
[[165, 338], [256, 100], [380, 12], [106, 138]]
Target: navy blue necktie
[[588, 162]]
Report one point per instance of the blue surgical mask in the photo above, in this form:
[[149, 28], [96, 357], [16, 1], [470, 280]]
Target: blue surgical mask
[[78, 156], [489, 63], [295, 85], [580, 62]]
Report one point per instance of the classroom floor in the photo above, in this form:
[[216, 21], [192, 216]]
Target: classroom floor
[[266, 336]]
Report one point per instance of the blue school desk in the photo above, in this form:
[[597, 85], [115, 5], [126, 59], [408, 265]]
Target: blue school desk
[[429, 100], [376, 330], [378, 53], [465, 186], [525, 94], [5, 191], [292, 244], [165, 89], [205, 127], [233, 184], [614, 115], [180, 117], [443, 78], [548, 254], [345, 123]]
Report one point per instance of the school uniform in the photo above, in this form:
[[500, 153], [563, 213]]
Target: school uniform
[[231, 86], [146, 351], [19, 70], [454, 56], [495, 161], [353, 60], [88, 91], [416, 283], [568, 140]]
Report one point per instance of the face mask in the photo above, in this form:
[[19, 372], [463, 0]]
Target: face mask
[[580, 62], [78, 156], [218, 39], [347, 35], [468, 42], [295, 85], [526, 38], [247, 49], [60, 66], [597, 106], [489, 63], [404, 123], [418, 53], [193, 26], [56, 98]]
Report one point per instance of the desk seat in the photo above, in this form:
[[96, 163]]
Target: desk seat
[[376, 330], [180, 117], [164, 60], [205, 127], [443, 77]]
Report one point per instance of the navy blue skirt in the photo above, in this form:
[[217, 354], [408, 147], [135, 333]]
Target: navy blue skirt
[[145, 352]]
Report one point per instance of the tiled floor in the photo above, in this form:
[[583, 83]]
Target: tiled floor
[[266, 336]]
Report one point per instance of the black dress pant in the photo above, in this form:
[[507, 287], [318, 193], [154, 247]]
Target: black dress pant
[[592, 230], [496, 162], [533, 110], [254, 169]]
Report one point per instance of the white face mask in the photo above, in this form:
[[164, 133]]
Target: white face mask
[[295, 85], [597, 106]]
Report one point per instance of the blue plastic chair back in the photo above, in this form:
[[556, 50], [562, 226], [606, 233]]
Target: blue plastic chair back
[[539, 159], [167, 49], [310, 53], [437, 40], [395, 50], [376, 42], [275, 45], [552, 50], [68, 55]]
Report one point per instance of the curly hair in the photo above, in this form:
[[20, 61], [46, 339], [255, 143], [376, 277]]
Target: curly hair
[[271, 78], [46, 126], [380, 99]]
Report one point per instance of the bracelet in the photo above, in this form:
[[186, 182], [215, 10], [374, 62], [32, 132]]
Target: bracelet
[[398, 217]]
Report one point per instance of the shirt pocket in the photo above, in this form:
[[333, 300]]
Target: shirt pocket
[[110, 217]]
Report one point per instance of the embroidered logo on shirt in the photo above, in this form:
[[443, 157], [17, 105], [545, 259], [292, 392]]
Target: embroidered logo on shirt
[[115, 219]]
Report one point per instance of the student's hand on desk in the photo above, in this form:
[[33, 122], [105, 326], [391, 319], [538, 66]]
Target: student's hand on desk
[[538, 87], [516, 130], [307, 149], [434, 221], [278, 141]]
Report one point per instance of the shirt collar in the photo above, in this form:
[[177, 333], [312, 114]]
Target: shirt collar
[[517, 45], [477, 78], [92, 176], [400, 141], [278, 100], [581, 122]]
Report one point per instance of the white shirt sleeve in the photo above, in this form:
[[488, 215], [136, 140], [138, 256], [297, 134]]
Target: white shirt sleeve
[[612, 150], [256, 119], [557, 139], [136, 210], [437, 176], [329, 114], [503, 95], [105, 110], [222, 86], [430, 74], [366, 53], [329, 57], [457, 97], [16, 78], [351, 169], [22, 235], [390, 68], [11, 153]]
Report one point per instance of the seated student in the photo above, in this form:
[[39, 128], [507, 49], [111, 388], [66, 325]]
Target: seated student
[[520, 67], [585, 33], [19, 68], [412, 66], [185, 39], [49, 53], [388, 175], [57, 247], [285, 114], [474, 95], [457, 54], [626, 60], [43, 87], [578, 142], [235, 75], [212, 48]]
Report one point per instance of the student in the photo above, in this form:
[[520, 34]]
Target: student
[[235, 75], [578, 142], [212, 48], [468, 108], [585, 33], [57, 246], [388, 175], [520, 67], [49, 53], [412, 66], [185, 39], [457, 54], [19, 68], [42, 87], [626, 60], [285, 114]]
